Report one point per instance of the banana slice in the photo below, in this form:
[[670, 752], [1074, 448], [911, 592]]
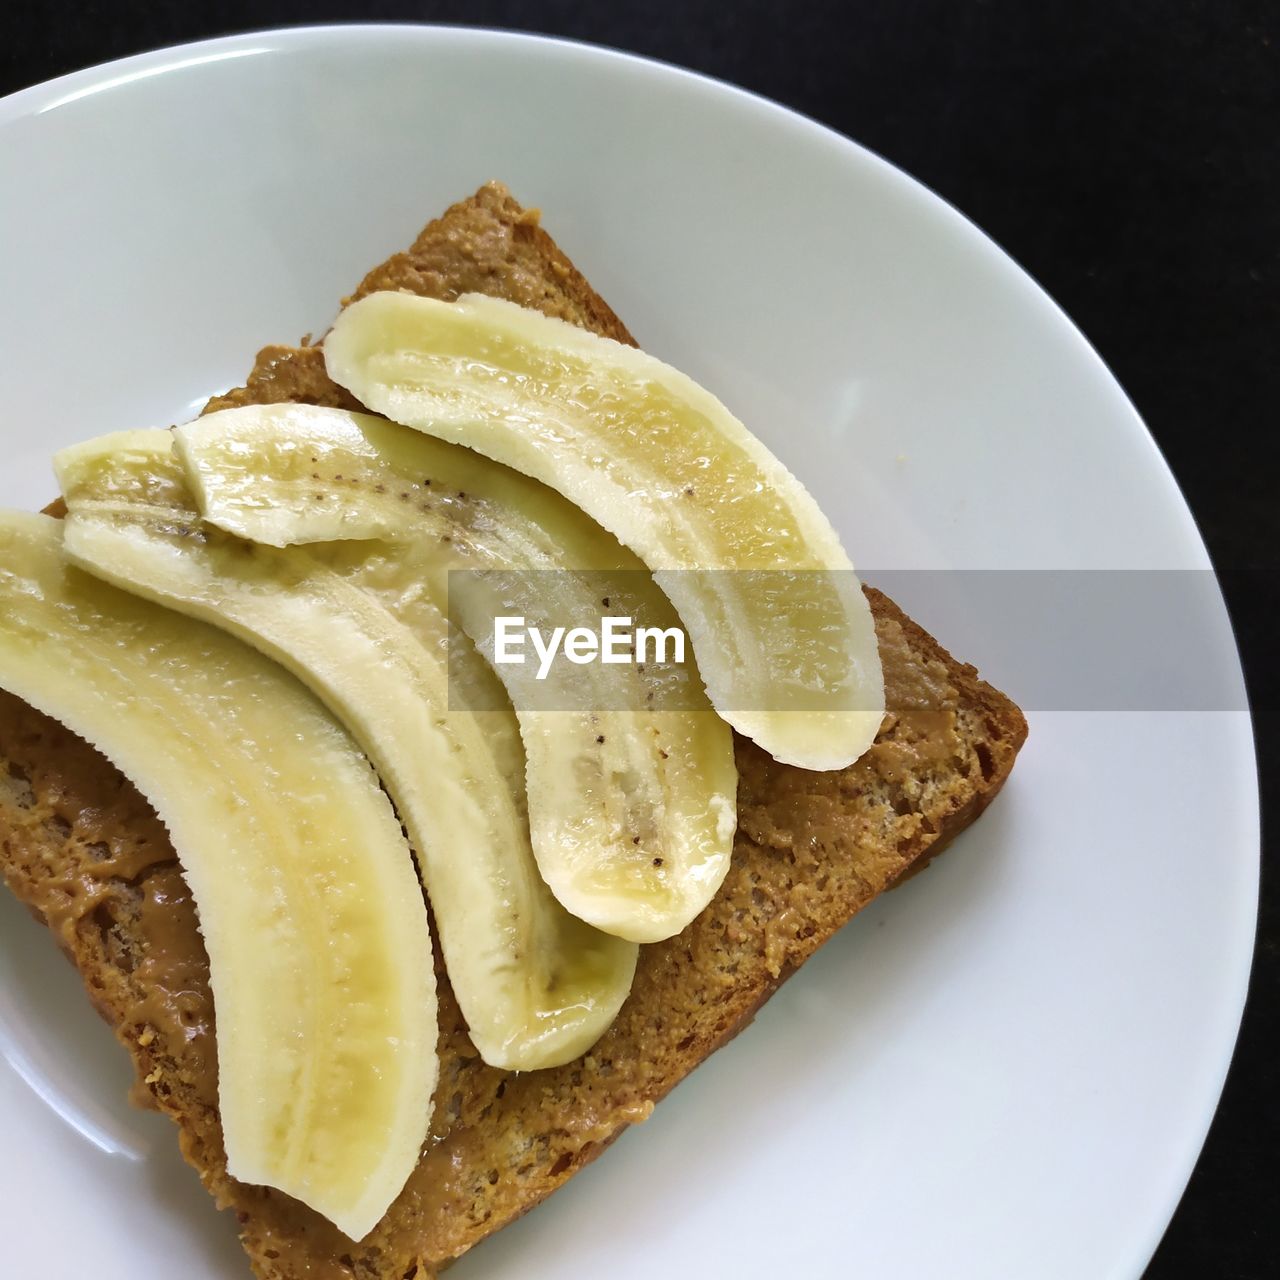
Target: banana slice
[[319, 946], [783, 633], [536, 986], [631, 780]]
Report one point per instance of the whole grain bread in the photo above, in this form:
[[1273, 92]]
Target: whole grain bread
[[89, 857]]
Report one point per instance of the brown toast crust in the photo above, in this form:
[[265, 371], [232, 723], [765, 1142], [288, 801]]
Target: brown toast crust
[[89, 857], [486, 244]]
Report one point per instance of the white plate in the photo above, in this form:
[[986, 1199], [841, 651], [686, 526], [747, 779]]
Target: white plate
[[1004, 1070]]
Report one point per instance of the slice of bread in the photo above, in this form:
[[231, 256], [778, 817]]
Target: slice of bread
[[85, 852]]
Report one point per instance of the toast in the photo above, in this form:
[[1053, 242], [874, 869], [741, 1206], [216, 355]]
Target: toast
[[91, 860]]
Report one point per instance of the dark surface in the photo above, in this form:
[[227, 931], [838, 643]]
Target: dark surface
[[1128, 155]]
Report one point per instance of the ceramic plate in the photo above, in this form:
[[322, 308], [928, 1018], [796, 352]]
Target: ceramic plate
[[1005, 1069]]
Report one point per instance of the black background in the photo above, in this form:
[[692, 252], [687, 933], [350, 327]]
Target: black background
[[1128, 155]]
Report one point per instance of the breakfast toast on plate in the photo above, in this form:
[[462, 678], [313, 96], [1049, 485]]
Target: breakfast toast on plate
[[89, 857]]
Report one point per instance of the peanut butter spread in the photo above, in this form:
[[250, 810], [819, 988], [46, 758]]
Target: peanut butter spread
[[85, 851]]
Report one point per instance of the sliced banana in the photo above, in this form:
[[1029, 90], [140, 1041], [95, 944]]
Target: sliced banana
[[631, 780], [783, 634], [319, 950], [536, 986]]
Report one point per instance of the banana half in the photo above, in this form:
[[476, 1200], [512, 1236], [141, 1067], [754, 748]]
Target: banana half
[[536, 986], [783, 633], [631, 778], [319, 950]]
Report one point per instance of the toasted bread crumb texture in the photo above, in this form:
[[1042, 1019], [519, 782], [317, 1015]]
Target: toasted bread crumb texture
[[85, 852], [487, 244]]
